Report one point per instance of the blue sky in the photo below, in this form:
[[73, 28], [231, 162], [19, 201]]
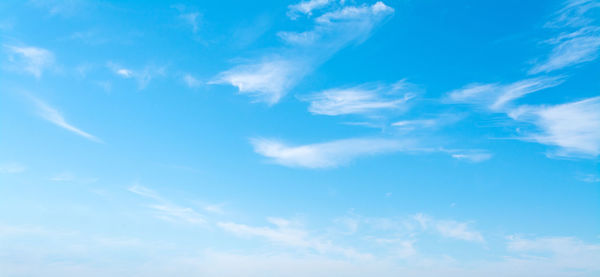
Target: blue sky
[[312, 138]]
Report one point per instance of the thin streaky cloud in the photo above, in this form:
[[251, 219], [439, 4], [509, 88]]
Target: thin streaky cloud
[[55, 117], [292, 234], [358, 100], [270, 77], [327, 154], [191, 81], [573, 127], [579, 38], [449, 228], [12, 168], [165, 210], [306, 7], [499, 97], [32, 60]]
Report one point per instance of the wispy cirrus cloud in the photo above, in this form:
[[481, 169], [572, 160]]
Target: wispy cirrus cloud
[[497, 97], [564, 252], [364, 99], [579, 40], [270, 77], [191, 18], [449, 228], [142, 76], [573, 127], [55, 117], [327, 154], [292, 234], [12, 168], [165, 210], [29, 59], [306, 7], [191, 81]]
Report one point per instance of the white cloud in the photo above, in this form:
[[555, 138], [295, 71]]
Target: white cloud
[[306, 7], [357, 100], [165, 210], [573, 127], [570, 51], [564, 252], [270, 77], [472, 155], [142, 76], [579, 40], [589, 178], [191, 19], [290, 233], [449, 228], [327, 154], [175, 213], [497, 97], [29, 59], [54, 116], [266, 81], [191, 81], [12, 168]]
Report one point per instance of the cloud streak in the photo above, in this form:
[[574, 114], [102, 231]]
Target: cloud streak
[[55, 117], [268, 78], [32, 60], [358, 100], [573, 127], [579, 40], [327, 154], [165, 210], [497, 97]]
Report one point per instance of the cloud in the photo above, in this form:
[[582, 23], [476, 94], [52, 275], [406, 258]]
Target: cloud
[[589, 178], [29, 59], [497, 97], [191, 81], [142, 76], [358, 100], [270, 77], [289, 233], [564, 252], [306, 7], [55, 117], [449, 228], [472, 155], [579, 40], [190, 18], [327, 154], [573, 127], [12, 168], [266, 81], [571, 50], [64, 8], [165, 210], [70, 177]]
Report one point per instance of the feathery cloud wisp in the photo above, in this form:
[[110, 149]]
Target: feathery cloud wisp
[[165, 210], [358, 100], [573, 127], [289, 233], [497, 97], [306, 7], [54, 116], [270, 77], [12, 168], [579, 40], [32, 60], [327, 154]]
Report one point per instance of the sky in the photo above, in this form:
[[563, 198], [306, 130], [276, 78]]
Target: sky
[[313, 138]]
